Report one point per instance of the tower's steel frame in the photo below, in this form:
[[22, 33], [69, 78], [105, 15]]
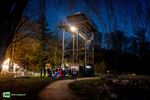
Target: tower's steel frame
[[79, 49]]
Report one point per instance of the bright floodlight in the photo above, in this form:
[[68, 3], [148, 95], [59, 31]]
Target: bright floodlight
[[73, 28]]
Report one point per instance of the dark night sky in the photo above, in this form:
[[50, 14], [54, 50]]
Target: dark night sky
[[126, 15]]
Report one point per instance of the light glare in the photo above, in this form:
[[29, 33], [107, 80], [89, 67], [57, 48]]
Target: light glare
[[73, 28], [5, 66]]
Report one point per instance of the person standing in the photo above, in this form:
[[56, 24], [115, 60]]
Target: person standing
[[41, 71], [60, 73], [44, 72], [74, 74], [64, 73], [48, 72]]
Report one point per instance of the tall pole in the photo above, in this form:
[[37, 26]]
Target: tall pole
[[85, 53], [93, 47], [77, 45], [93, 52], [63, 46], [85, 69], [12, 56], [73, 48]]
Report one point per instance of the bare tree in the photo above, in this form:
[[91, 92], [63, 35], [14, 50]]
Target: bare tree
[[139, 43], [11, 11], [25, 32], [116, 41]]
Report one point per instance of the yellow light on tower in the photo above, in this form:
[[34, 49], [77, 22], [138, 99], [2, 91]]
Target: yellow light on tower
[[73, 28]]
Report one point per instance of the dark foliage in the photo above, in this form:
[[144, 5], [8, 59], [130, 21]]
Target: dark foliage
[[124, 54], [107, 90]]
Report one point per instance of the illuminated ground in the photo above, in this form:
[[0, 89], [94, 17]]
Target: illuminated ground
[[59, 90]]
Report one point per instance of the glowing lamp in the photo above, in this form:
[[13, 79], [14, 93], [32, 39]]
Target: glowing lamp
[[73, 28]]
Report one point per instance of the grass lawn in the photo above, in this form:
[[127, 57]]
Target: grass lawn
[[107, 90], [29, 86]]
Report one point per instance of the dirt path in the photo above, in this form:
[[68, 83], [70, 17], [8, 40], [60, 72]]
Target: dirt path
[[59, 90]]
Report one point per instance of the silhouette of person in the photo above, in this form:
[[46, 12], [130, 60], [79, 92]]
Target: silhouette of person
[[41, 71], [74, 72], [44, 72], [48, 72]]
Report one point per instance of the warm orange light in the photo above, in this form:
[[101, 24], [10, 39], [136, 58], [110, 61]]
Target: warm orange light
[[5, 65]]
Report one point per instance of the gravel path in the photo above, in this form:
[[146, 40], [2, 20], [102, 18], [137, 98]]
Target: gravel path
[[59, 90]]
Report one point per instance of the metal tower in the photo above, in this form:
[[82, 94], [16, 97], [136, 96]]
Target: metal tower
[[79, 48]]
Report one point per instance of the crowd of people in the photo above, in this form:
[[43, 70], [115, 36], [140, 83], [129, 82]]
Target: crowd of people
[[58, 72]]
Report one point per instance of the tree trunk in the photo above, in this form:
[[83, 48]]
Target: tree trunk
[[11, 12]]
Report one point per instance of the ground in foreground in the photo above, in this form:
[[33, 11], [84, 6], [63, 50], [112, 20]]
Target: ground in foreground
[[134, 89], [28, 86]]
